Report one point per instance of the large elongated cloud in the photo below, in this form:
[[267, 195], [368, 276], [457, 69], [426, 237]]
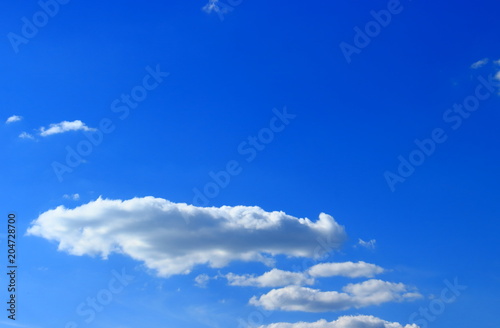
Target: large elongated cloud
[[370, 292], [360, 321], [172, 238]]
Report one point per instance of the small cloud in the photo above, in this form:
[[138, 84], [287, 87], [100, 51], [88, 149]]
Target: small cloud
[[26, 135], [202, 280], [217, 6], [13, 118], [212, 5], [479, 63], [64, 126], [367, 244], [72, 197], [496, 62]]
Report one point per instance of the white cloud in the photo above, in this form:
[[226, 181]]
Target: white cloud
[[14, 118], [496, 62], [370, 292], [479, 63], [359, 321], [280, 278], [154, 231], [497, 76], [25, 135], [212, 5], [64, 126], [72, 197], [346, 269], [273, 278], [217, 6], [202, 280], [367, 244]]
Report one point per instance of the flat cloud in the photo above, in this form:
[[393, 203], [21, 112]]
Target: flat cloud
[[280, 278], [346, 269], [155, 231], [64, 126], [273, 278], [360, 321], [370, 292]]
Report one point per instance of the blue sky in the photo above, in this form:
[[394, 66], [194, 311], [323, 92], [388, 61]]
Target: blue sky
[[187, 143]]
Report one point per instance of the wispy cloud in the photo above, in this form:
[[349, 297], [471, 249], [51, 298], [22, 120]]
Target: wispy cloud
[[72, 197], [367, 244], [217, 6], [201, 280], [26, 135], [64, 126], [479, 63], [13, 118], [212, 5]]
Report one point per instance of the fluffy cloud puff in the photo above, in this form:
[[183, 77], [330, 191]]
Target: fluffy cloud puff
[[172, 238], [64, 126], [370, 292], [360, 321]]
